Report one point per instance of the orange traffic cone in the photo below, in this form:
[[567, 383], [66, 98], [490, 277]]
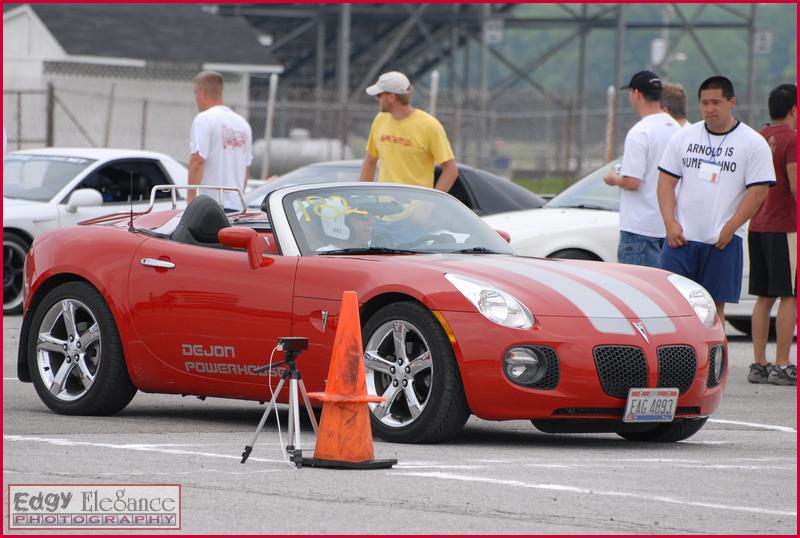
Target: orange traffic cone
[[344, 439]]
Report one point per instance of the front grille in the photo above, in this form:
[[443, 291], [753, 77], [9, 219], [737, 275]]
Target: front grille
[[677, 366], [620, 368], [613, 412]]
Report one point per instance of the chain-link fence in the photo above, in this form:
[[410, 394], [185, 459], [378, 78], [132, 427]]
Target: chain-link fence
[[519, 136]]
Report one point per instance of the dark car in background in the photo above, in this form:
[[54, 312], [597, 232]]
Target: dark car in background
[[482, 192]]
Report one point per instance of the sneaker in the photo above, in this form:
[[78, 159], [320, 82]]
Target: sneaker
[[758, 373], [783, 376]]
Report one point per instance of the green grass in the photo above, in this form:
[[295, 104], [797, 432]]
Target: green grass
[[550, 185]]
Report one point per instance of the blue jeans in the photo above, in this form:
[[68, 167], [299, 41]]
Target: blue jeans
[[638, 249]]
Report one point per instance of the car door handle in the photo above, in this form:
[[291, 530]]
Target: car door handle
[[160, 264]]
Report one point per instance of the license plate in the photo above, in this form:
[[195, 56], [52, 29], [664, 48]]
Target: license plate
[[651, 405]]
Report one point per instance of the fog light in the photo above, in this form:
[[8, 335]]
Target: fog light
[[525, 366], [716, 367]]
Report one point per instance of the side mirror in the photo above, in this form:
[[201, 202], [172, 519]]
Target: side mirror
[[83, 198], [505, 235], [247, 239]]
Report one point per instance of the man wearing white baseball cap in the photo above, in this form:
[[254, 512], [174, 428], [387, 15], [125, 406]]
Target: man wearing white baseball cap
[[406, 140]]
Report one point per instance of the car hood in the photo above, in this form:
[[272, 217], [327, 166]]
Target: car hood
[[550, 220], [610, 295], [27, 211], [604, 292]]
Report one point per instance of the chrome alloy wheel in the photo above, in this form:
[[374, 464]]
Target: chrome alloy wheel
[[68, 349], [399, 368]]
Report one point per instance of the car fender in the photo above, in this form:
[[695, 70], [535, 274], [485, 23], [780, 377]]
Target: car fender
[[319, 277], [543, 232], [32, 218]]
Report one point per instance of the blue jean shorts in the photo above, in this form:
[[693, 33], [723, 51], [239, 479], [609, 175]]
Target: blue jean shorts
[[635, 249], [718, 271]]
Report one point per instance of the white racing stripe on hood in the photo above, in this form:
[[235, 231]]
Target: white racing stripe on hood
[[603, 315], [654, 318]]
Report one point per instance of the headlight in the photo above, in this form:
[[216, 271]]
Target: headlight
[[494, 303], [698, 297]]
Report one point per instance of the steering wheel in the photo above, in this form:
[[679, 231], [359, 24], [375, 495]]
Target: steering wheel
[[432, 239]]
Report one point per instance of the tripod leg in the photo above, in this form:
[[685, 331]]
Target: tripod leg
[[296, 412], [294, 450], [264, 417], [290, 425], [309, 409]]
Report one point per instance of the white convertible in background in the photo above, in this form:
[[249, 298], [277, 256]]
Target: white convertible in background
[[582, 222], [56, 187]]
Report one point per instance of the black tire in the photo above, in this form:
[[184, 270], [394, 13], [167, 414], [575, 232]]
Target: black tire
[[667, 433], [15, 247], [93, 353], [435, 384], [574, 254]]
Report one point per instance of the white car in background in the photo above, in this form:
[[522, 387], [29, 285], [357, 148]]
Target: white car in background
[[52, 188], [582, 222]]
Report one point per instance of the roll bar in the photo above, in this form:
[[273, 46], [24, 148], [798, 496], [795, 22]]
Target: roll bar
[[173, 190]]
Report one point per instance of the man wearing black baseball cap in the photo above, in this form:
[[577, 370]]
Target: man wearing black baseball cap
[[641, 227], [645, 82]]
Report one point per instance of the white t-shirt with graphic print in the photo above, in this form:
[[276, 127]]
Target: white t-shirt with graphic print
[[715, 171], [644, 144], [224, 139]]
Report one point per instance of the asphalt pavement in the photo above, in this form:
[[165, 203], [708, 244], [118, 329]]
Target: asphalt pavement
[[737, 475]]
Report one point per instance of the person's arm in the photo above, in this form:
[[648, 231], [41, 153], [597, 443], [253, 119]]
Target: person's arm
[[368, 168], [791, 173], [633, 164], [666, 203], [623, 182], [752, 200], [196, 166], [448, 176], [246, 177]]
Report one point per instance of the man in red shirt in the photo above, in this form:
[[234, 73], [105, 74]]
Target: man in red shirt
[[772, 240]]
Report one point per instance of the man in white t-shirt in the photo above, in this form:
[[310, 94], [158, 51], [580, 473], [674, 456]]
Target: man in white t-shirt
[[723, 170], [641, 233], [221, 142]]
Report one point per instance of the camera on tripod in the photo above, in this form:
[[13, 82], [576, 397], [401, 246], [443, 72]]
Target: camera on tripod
[[292, 344]]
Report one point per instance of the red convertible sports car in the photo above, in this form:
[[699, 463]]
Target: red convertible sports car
[[454, 323]]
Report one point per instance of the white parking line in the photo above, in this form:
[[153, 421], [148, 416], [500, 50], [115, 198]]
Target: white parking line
[[142, 473], [573, 489], [754, 425], [434, 465], [138, 447], [682, 465]]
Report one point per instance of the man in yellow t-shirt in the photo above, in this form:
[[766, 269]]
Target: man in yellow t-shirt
[[407, 141]]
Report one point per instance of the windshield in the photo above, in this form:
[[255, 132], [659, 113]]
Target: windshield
[[39, 177], [316, 173], [386, 220], [590, 192]]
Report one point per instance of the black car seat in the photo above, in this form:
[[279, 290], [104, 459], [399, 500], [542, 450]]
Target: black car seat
[[201, 222], [141, 188], [102, 184]]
